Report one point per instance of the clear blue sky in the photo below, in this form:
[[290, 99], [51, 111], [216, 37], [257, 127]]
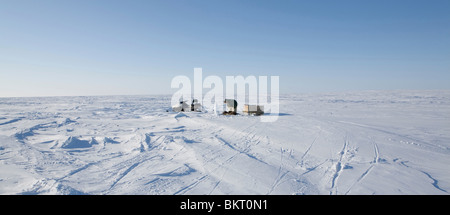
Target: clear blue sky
[[102, 47]]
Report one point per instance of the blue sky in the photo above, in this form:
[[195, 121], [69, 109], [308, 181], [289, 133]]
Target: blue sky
[[110, 47]]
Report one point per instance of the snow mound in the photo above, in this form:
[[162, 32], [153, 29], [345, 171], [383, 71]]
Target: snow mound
[[73, 142]]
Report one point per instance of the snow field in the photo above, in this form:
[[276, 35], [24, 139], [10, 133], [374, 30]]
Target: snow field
[[376, 142]]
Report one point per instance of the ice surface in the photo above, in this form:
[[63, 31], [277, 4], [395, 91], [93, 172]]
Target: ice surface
[[376, 142]]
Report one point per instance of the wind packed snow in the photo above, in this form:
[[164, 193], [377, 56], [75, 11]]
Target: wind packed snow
[[378, 142]]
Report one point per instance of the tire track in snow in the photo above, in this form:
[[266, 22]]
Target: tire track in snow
[[190, 186], [222, 166], [339, 167], [417, 142], [248, 137], [130, 168], [279, 175], [307, 150], [368, 170], [247, 149]]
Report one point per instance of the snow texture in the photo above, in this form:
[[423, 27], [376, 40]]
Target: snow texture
[[376, 142]]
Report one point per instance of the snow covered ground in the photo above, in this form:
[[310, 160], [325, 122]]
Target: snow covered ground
[[377, 142]]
